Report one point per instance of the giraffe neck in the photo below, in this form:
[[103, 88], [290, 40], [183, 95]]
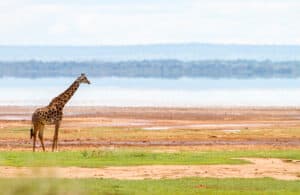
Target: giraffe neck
[[64, 97]]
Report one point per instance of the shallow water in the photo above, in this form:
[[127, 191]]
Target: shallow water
[[184, 92]]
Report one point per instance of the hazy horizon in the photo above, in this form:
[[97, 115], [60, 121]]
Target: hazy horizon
[[150, 44], [185, 52]]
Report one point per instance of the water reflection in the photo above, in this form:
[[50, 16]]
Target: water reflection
[[155, 92]]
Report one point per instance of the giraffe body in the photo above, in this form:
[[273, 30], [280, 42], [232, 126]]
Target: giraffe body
[[53, 113], [48, 115]]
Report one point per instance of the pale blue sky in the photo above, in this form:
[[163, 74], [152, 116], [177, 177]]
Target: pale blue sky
[[122, 22]]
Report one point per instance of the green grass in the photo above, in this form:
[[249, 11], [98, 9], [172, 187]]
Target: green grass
[[142, 157], [124, 157], [164, 187]]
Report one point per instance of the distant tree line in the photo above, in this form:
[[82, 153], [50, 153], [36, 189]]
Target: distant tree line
[[153, 68]]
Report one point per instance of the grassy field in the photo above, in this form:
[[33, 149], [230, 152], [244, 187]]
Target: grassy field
[[125, 157], [164, 187]]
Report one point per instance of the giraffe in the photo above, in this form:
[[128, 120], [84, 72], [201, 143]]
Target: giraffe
[[53, 113]]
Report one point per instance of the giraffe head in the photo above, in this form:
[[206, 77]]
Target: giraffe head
[[83, 79]]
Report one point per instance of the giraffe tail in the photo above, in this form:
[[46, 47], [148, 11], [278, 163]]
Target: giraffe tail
[[31, 133]]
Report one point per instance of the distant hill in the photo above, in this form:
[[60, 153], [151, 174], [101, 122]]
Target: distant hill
[[183, 52]]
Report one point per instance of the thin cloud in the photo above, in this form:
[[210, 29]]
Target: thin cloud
[[93, 22]]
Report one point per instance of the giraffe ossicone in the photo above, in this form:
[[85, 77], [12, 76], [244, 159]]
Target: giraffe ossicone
[[53, 113]]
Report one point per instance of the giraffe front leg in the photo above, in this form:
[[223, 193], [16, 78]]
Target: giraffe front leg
[[55, 137], [54, 140]]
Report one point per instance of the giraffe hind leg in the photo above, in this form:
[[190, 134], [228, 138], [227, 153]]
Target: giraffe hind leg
[[31, 133], [34, 139], [36, 129]]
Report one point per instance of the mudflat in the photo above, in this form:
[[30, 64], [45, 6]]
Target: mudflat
[[221, 127]]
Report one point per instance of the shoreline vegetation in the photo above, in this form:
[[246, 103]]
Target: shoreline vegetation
[[168, 68]]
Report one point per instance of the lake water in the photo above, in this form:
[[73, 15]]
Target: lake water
[[184, 92]]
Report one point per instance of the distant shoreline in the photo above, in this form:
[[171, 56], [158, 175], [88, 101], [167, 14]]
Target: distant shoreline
[[153, 69]]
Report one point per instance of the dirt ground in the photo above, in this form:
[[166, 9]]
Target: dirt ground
[[274, 168], [86, 127]]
